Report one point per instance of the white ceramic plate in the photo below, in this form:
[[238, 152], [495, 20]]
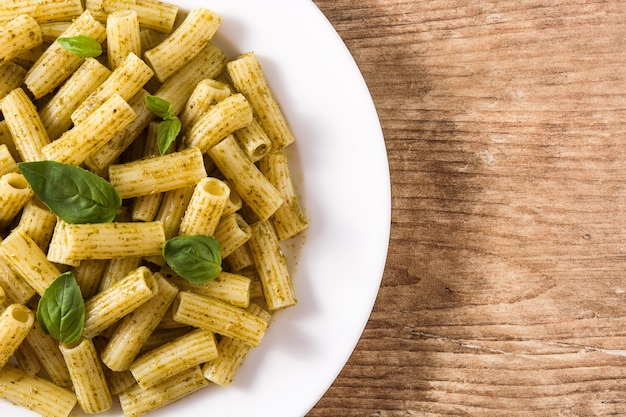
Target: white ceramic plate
[[340, 165]]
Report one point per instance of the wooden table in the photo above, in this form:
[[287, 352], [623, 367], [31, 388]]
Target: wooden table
[[505, 289]]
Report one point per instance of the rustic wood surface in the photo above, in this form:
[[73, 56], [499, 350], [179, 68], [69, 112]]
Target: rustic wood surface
[[505, 290]]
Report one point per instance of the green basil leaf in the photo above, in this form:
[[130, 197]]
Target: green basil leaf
[[61, 310], [170, 127], [72, 193], [160, 107], [166, 133], [81, 45], [196, 258]]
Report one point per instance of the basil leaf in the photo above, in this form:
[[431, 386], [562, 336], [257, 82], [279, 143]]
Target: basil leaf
[[166, 133], [160, 107], [196, 258], [170, 127], [72, 193], [61, 310], [81, 45]]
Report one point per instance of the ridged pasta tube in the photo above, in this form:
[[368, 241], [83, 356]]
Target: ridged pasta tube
[[193, 35]]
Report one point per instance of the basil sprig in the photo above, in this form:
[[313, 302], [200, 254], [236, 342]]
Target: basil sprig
[[81, 45], [195, 258], [170, 125], [72, 193], [61, 310]]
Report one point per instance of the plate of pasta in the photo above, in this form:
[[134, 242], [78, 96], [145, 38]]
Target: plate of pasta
[[233, 211]]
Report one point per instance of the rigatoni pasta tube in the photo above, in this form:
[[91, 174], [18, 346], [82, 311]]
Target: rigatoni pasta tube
[[24, 123], [18, 35], [57, 64], [47, 350], [41, 10], [29, 262], [288, 220], [92, 133], [35, 393], [37, 222], [126, 80], [206, 93], [205, 207], [158, 174], [254, 141], [258, 193], [248, 78], [132, 332], [56, 113], [11, 77], [271, 266], [72, 243], [7, 162], [137, 401], [14, 193], [15, 323], [26, 358], [219, 121], [100, 161], [87, 376], [222, 369], [106, 307], [231, 232], [229, 287], [209, 63], [122, 36], [153, 14], [193, 35], [187, 351], [16, 288], [220, 317]]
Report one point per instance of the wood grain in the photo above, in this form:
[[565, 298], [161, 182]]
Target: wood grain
[[505, 290]]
